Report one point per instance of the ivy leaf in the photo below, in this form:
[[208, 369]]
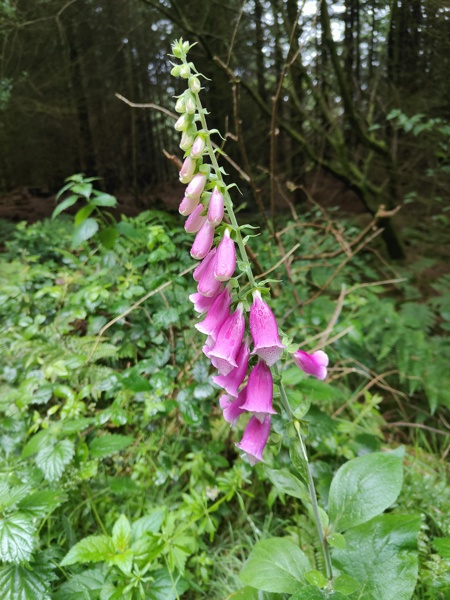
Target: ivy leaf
[[94, 548], [18, 582], [276, 565], [16, 538], [53, 458], [109, 444], [382, 556], [363, 488]]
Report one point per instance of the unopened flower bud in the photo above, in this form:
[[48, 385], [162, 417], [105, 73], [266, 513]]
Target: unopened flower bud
[[194, 84], [186, 47], [216, 206], [198, 147], [187, 170], [190, 105], [186, 141], [176, 71], [226, 258], [187, 206], [185, 71], [195, 220], [203, 241], [180, 106], [195, 188], [183, 123]]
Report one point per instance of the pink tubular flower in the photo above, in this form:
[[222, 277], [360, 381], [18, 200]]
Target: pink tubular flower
[[231, 382], [313, 364], [196, 186], [255, 439], [229, 340], [264, 330], [260, 392], [187, 205], [232, 407], [203, 241], [207, 284], [195, 220], [202, 266], [216, 207], [198, 147], [187, 170], [226, 258], [216, 316], [201, 303]]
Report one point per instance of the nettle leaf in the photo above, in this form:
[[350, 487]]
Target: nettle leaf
[[276, 565], [363, 488], [94, 548], [10, 496], [79, 586], [42, 503], [18, 582], [53, 458], [109, 444], [382, 556], [121, 533], [16, 538]]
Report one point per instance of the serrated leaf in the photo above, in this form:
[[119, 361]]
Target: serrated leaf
[[103, 199], [18, 582], [382, 556], [35, 443], [276, 565], [42, 503], [109, 444], [94, 548], [162, 587], [91, 580], [84, 231], [363, 488], [66, 203], [9, 496], [149, 523], [53, 458], [121, 533], [16, 538]]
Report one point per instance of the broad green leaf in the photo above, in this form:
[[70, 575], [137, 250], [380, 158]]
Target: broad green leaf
[[10, 496], [18, 582], [311, 592], [83, 214], [346, 584], [121, 533], [363, 488], [103, 200], [53, 458], [79, 586], [84, 231], [124, 561], [109, 444], [316, 578], [108, 236], [382, 556], [442, 545], [162, 588], [42, 503], [94, 548], [336, 540], [66, 203], [16, 538], [287, 483], [276, 565], [148, 523], [35, 443], [83, 189]]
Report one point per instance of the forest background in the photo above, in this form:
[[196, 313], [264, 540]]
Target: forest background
[[335, 119]]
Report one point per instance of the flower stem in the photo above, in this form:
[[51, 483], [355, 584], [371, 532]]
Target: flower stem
[[311, 487]]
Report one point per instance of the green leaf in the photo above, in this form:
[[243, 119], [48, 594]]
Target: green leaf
[[276, 565], [336, 540], [84, 231], [287, 483], [42, 503], [53, 458], [162, 587], [108, 236], [346, 584], [311, 592], [298, 460], [363, 488], [10, 496], [109, 444], [121, 533], [83, 214], [94, 548], [35, 443], [148, 523], [382, 556], [103, 200], [442, 545], [83, 189], [18, 582], [316, 578], [79, 586], [66, 203], [16, 538]]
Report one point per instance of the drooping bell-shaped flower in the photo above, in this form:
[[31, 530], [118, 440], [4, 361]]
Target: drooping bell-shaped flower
[[255, 439], [231, 382], [187, 206], [264, 330], [182, 122], [203, 241], [201, 303], [187, 170], [216, 207], [232, 406], [195, 220], [198, 147], [260, 392], [187, 139], [226, 258], [202, 266], [207, 284], [313, 364], [216, 316], [196, 186], [229, 340]]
